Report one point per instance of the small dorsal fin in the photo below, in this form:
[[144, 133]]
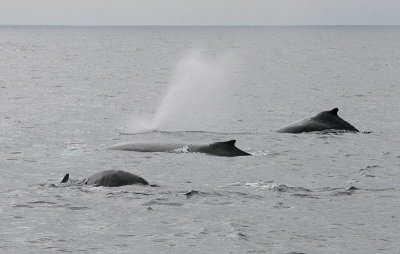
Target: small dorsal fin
[[65, 178], [353, 188], [229, 142], [334, 111]]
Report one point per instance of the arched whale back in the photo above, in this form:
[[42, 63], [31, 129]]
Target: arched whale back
[[326, 120], [226, 148], [111, 178], [114, 178]]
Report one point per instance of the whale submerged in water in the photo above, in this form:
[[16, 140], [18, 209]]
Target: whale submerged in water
[[226, 148], [326, 120], [111, 178]]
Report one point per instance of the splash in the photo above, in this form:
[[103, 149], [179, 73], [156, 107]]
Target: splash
[[195, 98]]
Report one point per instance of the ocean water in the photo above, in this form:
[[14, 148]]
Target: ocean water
[[69, 93]]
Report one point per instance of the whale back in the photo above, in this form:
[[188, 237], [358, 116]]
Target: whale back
[[326, 120], [146, 147], [226, 148], [115, 178]]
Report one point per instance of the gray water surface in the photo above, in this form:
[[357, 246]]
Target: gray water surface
[[68, 93]]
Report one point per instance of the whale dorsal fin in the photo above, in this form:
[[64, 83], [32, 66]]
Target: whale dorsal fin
[[334, 111], [228, 143], [65, 178]]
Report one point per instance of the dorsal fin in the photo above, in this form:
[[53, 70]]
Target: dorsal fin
[[228, 143], [334, 111], [65, 178]]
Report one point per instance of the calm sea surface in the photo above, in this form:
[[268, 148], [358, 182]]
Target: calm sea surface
[[68, 93]]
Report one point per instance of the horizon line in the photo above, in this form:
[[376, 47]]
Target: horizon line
[[96, 25]]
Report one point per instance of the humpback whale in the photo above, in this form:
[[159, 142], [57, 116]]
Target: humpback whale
[[326, 120], [226, 148], [111, 178]]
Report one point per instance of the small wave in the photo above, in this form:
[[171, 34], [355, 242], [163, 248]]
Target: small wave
[[276, 187], [193, 193], [39, 203], [379, 190], [280, 205], [161, 201], [369, 167], [301, 192], [78, 208], [267, 186], [334, 191], [223, 194]]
